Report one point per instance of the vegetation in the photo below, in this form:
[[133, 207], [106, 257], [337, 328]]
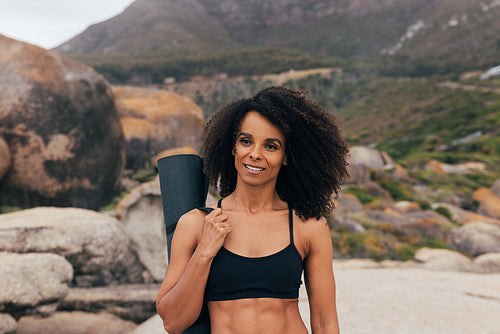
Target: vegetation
[[379, 245], [155, 67]]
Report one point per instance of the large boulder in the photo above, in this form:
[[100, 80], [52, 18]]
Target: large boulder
[[5, 159], [153, 325], [155, 120], [347, 203], [443, 259], [8, 324], [90, 241], [495, 188], [59, 120], [476, 238], [141, 213], [75, 323], [489, 203], [464, 216], [369, 157], [32, 282], [134, 302], [412, 223], [458, 169], [488, 263]]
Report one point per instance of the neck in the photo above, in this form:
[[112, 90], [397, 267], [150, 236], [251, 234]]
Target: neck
[[254, 199]]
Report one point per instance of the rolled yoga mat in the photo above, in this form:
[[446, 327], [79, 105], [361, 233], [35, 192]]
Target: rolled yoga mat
[[183, 187]]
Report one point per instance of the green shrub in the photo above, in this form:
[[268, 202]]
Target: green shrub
[[434, 243], [112, 205], [395, 188], [444, 212], [404, 252], [9, 208], [361, 194]]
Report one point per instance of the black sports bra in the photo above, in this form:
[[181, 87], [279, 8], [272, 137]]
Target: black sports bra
[[278, 275]]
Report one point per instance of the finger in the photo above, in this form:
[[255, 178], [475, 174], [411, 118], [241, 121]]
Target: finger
[[219, 219], [215, 212]]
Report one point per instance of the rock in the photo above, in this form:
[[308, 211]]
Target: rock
[[400, 174], [371, 158], [407, 206], [417, 223], [443, 259], [129, 270], [339, 223], [458, 169], [59, 120], [464, 216], [358, 174], [8, 324], [90, 241], [30, 280], [131, 302], [465, 168], [435, 166], [430, 195], [5, 158], [476, 238], [155, 120], [495, 188], [488, 263], [347, 203], [489, 203], [75, 323], [153, 325], [375, 190], [355, 264], [141, 213]]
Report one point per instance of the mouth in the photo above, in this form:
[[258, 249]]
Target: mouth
[[254, 168]]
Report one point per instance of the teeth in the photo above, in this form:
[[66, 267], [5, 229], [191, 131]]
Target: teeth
[[254, 168]]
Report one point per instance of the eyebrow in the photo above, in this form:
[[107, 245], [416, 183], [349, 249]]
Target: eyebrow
[[267, 139]]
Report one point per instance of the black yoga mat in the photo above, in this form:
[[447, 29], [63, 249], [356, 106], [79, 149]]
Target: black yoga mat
[[183, 187]]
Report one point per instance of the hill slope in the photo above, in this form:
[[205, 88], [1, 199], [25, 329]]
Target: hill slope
[[336, 28]]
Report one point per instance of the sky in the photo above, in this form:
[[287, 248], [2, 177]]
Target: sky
[[49, 23]]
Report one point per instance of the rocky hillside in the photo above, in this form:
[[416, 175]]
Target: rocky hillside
[[150, 32], [341, 27]]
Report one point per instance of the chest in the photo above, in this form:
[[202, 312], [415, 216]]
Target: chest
[[258, 235]]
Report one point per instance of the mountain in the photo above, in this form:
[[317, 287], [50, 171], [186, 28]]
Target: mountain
[[218, 31], [341, 27]]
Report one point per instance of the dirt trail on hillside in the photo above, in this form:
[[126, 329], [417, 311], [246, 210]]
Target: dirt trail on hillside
[[456, 85]]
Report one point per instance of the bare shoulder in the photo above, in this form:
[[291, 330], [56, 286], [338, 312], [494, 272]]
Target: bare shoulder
[[313, 226], [190, 223], [311, 233]]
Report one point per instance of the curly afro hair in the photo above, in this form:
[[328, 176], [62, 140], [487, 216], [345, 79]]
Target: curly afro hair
[[315, 150]]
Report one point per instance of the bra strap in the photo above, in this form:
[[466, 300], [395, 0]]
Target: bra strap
[[290, 223], [219, 203]]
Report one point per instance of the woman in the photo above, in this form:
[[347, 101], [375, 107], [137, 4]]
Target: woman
[[277, 158]]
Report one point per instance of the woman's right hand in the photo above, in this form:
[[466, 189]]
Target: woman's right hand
[[215, 230]]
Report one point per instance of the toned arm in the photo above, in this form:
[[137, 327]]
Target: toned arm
[[196, 240], [319, 279]]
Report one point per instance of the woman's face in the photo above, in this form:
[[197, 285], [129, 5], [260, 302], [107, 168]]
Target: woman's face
[[259, 151]]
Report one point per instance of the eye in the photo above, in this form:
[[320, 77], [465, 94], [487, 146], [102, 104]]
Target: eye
[[271, 147], [245, 141]]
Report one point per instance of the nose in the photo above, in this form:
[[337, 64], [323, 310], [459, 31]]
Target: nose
[[255, 153]]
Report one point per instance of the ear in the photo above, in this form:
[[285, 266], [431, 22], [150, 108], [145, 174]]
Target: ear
[[285, 161], [234, 151]]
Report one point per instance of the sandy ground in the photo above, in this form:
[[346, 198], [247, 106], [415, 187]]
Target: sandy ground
[[405, 301]]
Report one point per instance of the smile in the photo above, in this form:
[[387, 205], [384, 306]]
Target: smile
[[254, 169]]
